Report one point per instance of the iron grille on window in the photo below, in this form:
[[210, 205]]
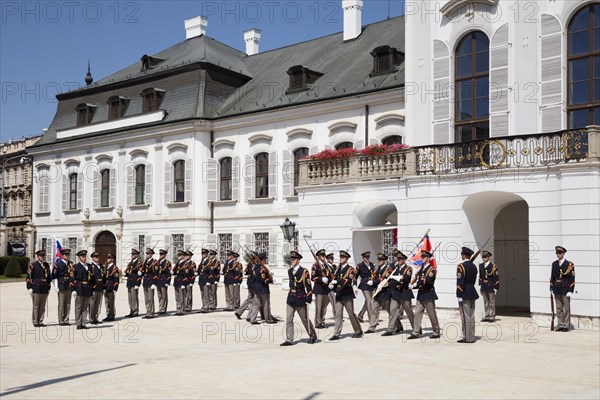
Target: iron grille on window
[[177, 242], [225, 244], [388, 241], [261, 243], [141, 243]]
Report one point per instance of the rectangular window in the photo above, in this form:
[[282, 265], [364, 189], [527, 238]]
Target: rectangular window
[[73, 192], [178, 243], [104, 188], [44, 243], [179, 179], [225, 244], [141, 242], [261, 243], [262, 175], [388, 241], [140, 184], [72, 244]]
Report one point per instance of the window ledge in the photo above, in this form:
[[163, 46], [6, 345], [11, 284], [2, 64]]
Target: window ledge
[[292, 198], [139, 206], [103, 209], [42, 214], [261, 200], [77, 211], [178, 204], [219, 203]]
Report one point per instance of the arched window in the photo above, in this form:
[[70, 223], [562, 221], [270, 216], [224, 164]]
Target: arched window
[[344, 145], [584, 67], [73, 191], [225, 178], [472, 88], [299, 154], [104, 188], [179, 179], [140, 183], [262, 175], [395, 139]]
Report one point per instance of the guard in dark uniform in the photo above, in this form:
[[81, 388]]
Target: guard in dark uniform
[[62, 273], [203, 279], [229, 280], [562, 285], [180, 282], [332, 269], [250, 283], [299, 296], [401, 295], [163, 281], [367, 272], [191, 271], [133, 273], [98, 290], [489, 282], [384, 297], [38, 285], [237, 280], [214, 279], [262, 280], [321, 275], [466, 276], [150, 277], [344, 297], [426, 297], [83, 280], [111, 272]]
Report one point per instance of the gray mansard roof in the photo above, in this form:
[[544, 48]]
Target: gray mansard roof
[[206, 79]]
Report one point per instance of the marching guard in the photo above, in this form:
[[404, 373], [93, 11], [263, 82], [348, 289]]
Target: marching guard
[[163, 281], [321, 274], [251, 284], [229, 279], [99, 288], [263, 279], [466, 276], [150, 276], [238, 278], [191, 272], [367, 272], [83, 281], [344, 297], [203, 278], [133, 274], [489, 282], [426, 297], [213, 280], [332, 269], [180, 282], [62, 273], [299, 296], [401, 295], [562, 285], [384, 297], [38, 285], [111, 273]]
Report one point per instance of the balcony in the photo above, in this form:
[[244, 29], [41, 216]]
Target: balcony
[[510, 152]]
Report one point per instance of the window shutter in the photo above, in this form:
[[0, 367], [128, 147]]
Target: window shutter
[[188, 180], [551, 101], [273, 172], [134, 244], [168, 182], [43, 195], [167, 246], [250, 241], [313, 150], [359, 145], [80, 191], [65, 192], [373, 141], [79, 244], [148, 241], [273, 248], [235, 179], [148, 184], [130, 182], [288, 174], [212, 174], [235, 240], [499, 112], [96, 178], [187, 242], [248, 174], [211, 242], [113, 188], [441, 95]]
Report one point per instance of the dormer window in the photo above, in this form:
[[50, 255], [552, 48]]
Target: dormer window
[[152, 98], [149, 62], [85, 113], [385, 60], [301, 78], [117, 105]]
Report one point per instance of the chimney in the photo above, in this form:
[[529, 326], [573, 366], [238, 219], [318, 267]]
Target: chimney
[[352, 18], [195, 27], [252, 38]]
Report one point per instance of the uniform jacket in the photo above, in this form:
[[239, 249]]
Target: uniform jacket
[[489, 278], [466, 276], [38, 277], [366, 272], [250, 281], [99, 277], [300, 287], [164, 273], [229, 272], [181, 276], [382, 273], [238, 276], [426, 283], [131, 272], [215, 271], [562, 279], [203, 272], [400, 290], [150, 272], [111, 272], [318, 272], [83, 279], [262, 279], [63, 273], [345, 280], [190, 267]]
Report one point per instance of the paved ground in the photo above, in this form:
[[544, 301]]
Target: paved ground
[[217, 356]]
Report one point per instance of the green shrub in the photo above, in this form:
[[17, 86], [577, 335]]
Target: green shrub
[[3, 264], [24, 263], [13, 269]]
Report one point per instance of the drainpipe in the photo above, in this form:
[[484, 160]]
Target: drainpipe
[[212, 205], [366, 125]]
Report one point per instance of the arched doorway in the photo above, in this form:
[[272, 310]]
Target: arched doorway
[[374, 227], [105, 243], [504, 217]]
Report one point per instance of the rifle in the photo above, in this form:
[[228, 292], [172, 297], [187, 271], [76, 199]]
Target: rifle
[[552, 307], [479, 251]]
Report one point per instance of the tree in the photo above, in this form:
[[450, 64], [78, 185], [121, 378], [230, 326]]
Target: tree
[[13, 269]]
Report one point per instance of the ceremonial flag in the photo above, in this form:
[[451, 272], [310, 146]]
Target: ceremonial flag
[[57, 255], [415, 257]]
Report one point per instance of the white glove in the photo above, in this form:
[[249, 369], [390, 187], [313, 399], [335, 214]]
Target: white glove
[[139, 273], [183, 287], [495, 291], [57, 289], [136, 288], [195, 274], [396, 277], [331, 286], [74, 293], [334, 282], [191, 285], [370, 283], [153, 287], [172, 272], [460, 299], [569, 294], [325, 280], [104, 291], [30, 291], [410, 286]]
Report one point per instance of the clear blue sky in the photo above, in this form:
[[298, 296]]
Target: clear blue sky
[[45, 45]]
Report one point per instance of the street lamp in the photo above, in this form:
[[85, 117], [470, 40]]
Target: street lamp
[[289, 229]]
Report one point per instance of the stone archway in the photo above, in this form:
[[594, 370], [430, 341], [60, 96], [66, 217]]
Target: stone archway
[[372, 221], [105, 243]]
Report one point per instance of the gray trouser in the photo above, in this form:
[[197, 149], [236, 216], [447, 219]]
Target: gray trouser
[[321, 303], [420, 308], [467, 318], [229, 296], [489, 304], [39, 307], [149, 300], [109, 303], [64, 306], [260, 302], [396, 307], [236, 296], [247, 304], [181, 292], [377, 306], [189, 298], [134, 301], [163, 298], [205, 300], [563, 311], [339, 316], [332, 302], [177, 298], [212, 295], [95, 306], [289, 322], [81, 308]]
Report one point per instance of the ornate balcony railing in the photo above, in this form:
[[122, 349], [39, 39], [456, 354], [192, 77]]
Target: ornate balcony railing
[[526, 151]]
